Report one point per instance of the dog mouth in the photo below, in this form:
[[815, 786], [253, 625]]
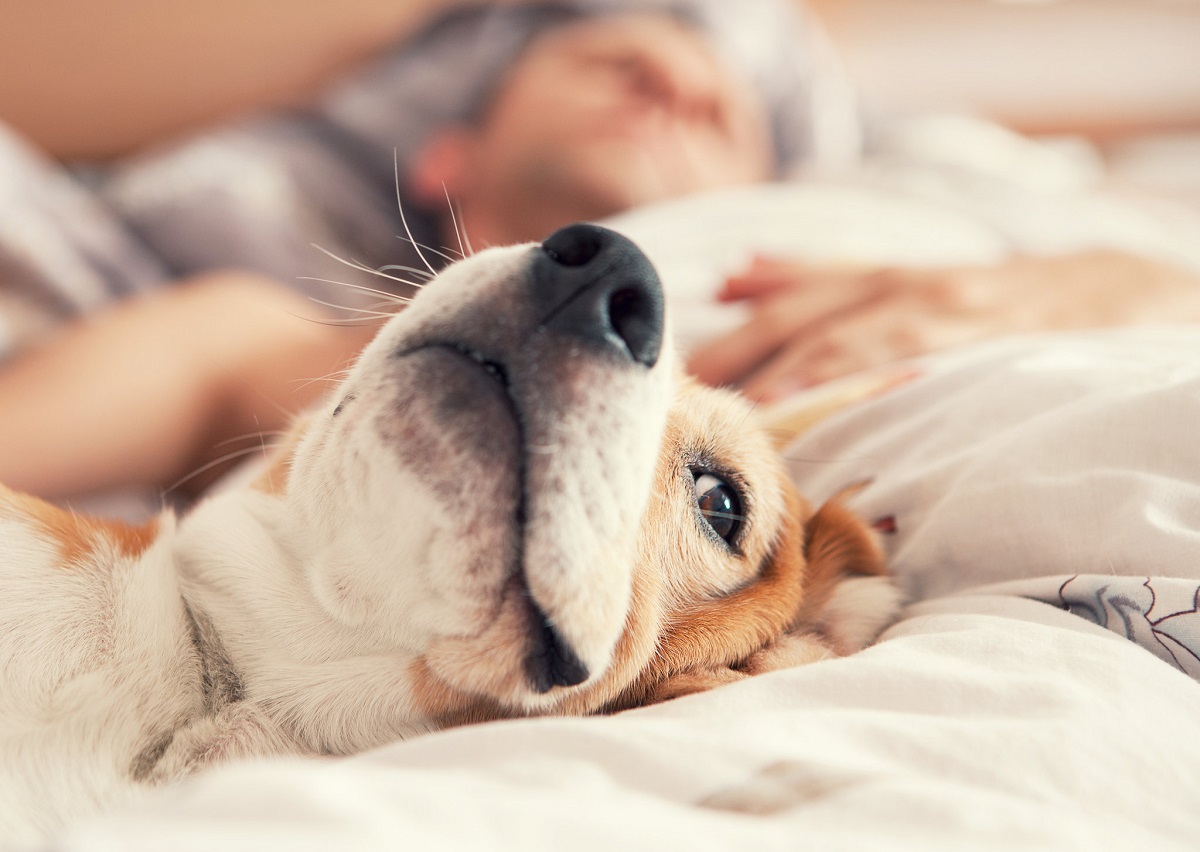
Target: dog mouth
[[549, 659], [493, 368]]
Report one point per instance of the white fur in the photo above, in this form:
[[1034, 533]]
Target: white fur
[[858, 610], [324, 597]]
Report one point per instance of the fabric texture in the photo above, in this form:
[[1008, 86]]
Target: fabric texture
[[994, 723], [1058, 468]]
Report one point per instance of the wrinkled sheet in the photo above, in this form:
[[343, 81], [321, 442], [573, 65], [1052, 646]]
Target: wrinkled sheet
[[981, 722]]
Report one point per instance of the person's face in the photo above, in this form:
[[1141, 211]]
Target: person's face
[[600, 116]]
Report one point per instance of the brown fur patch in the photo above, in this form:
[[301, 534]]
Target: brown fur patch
[[77, 536], [726, 629], [839, 545], [448, 707], [772, 622]]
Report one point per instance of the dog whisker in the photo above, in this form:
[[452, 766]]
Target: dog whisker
[[366, 312], [354, 322], [220, 460], [256, 435], [335, 376], [348, 322], [465, 236], [384, 305], [263, 446], [403, 218], [426, 277], [391, 297], [418, 246], [458, 232], [402, 268], [362, 267]]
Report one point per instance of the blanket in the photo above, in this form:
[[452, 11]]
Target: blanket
[[989, 723]]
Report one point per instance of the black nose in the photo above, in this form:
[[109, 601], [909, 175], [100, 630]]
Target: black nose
[[596, 285], [551, 661]]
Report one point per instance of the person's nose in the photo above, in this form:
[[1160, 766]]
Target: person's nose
[[688, 92]]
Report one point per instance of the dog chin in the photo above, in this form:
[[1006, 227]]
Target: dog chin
[[494, 665], [455, 428]]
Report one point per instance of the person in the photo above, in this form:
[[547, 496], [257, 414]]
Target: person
[[598, 116], [569, 113], [573, 115], [809, 324]]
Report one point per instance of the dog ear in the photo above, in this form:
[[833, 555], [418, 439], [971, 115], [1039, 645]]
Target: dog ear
[[849, 595]]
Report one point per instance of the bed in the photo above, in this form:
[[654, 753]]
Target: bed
[[1043, 498]]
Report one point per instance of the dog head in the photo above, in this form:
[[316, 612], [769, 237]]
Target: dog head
[[515, 485]]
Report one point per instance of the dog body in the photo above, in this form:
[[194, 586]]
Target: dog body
[[513, 505]]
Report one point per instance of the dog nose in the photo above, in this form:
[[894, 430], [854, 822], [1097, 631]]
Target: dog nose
[[597, 286]]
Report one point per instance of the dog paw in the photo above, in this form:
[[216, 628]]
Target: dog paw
[[858, 610]]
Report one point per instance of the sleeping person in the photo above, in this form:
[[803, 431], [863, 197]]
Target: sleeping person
[[527, 118], [493, 125]]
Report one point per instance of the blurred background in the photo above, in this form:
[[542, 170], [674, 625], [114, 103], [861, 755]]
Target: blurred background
[[95, 80], [928, 102]]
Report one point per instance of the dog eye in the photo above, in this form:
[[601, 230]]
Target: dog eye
[[719, 505]]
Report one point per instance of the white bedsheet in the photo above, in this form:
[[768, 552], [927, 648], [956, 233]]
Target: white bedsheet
[[991, 722]]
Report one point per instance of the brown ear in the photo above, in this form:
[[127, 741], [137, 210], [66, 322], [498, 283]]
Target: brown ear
[[849, 596]]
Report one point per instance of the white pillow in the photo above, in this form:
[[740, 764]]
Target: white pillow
[[1026, 457]]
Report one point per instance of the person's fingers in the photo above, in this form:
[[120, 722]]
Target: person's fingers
[[863, 342], [730, 357], [780, 319], [767, 275], [752, 285]]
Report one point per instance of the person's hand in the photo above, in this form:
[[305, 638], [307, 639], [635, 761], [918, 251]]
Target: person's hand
[[810, 324]]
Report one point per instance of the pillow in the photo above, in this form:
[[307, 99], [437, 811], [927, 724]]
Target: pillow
[[1022, 458]]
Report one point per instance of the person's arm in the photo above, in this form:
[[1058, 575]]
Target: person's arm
[[88, 80], [146, 392], [810, 324]]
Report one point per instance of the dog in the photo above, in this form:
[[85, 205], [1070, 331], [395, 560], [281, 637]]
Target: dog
[[513, 505]]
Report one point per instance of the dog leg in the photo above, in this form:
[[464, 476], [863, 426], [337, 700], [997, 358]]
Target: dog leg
[[236, 731]]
